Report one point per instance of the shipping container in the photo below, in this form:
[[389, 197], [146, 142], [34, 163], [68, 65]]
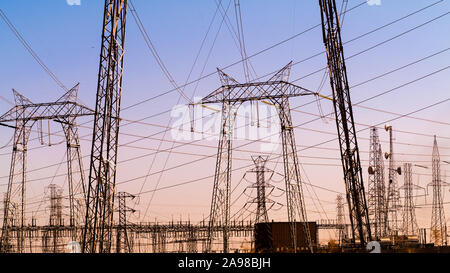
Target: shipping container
[[276, 236]]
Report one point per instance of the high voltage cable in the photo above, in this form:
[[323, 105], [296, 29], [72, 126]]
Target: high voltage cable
[[247, 166], [238, 62], [187, 80], [375, 77], [154, 52], [319, 54], [31, 51], [372, 98]]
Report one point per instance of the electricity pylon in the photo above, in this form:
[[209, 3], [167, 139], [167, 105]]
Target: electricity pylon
[[340, 218], [351, 163], [409, 226], [261, 186], [97, 234], [124, 242], [231, 95], [376, 186], [25, 115], [438, 223]]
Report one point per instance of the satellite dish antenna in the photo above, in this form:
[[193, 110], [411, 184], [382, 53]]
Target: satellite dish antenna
[[371, 170], [399, 170], [386, 155]]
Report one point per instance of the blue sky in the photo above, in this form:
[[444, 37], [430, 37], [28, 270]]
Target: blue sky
[[67, 38]]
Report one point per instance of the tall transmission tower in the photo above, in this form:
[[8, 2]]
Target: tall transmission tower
[[231, 94], [410, 226], [261, 186], [25, 115], [55, 206], [124, 243], [340, 218], [51, 239], [102, 175], [351, 163], [376, 186], [438, 223], [393, 194]]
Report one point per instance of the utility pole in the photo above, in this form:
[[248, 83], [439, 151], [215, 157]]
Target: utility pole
[[103, 163], [438, 223], [277, 91], [351, 163]]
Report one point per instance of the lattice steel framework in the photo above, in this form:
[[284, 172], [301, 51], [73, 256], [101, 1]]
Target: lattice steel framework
[[124, 241], [409, 224], [340, 218], [51, 239], [231, 94], [393, 193], [438, 223], [376, 194], [102, 175], [356, 199], [24, 115], [261, 186]]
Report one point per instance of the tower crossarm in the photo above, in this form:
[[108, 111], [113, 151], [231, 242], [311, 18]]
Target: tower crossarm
[[255, 91], [44, 111]]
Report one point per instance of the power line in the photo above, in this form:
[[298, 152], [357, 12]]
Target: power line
[[383, 93], [315, 55], [238, 62], [31, 51]]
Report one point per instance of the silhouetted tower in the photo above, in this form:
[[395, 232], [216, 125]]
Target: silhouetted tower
[[276, 91], [393, 194], [351, 163], [261, 185], [97, 234], [55, 205], [438, 223], [381, 177], [53, 236], [25, 114], [124, 240], [376, 185], [409, 215], [340, 218]]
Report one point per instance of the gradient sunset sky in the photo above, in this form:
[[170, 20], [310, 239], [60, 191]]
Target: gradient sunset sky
[[67, 38]]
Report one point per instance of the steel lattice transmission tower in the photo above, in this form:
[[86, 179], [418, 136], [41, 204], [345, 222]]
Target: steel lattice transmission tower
[[376, 186], [351, 163], [231, 94], [340, 218], [51, 239], [438, 223], [124, 242], [102, 175], [410, 226], [25, 115], [261, 186], [393, 194]]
